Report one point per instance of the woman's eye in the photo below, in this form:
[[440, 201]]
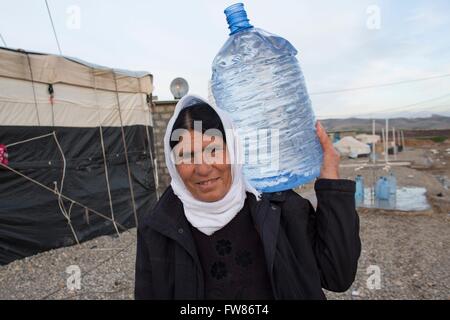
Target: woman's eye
[[213, 150], [187, 157]]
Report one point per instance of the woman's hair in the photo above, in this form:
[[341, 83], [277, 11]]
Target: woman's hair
[[198, 112]]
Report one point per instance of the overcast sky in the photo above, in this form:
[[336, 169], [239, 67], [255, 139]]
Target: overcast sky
[[342, 44]]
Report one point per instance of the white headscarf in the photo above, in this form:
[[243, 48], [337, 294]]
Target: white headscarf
[[208, 217]]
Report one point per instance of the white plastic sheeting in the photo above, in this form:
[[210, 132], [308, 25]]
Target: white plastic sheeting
[[368, 138], [85, 95], [349, 146]]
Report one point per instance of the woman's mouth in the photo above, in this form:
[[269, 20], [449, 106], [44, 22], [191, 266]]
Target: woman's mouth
[[207, 184]]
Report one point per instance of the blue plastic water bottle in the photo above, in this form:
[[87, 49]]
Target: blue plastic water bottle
[[392, 183], [382, 189], [257, 79], [359, 193]]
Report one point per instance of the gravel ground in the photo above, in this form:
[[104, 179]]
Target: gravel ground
[[410, 251], [106, 265]]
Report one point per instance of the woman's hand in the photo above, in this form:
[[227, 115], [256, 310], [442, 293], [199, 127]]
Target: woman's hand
[[330, 165]]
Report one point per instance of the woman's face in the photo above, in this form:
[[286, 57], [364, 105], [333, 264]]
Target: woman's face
[[203, 166]]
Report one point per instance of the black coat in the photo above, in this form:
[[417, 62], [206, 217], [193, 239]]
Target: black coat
[[305, 250]]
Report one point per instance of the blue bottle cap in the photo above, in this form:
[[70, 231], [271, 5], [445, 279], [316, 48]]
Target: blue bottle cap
[[237, 18]]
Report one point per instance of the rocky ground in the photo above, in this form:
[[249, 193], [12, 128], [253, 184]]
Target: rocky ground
[[408, 251], [106, 265], [411, 253]]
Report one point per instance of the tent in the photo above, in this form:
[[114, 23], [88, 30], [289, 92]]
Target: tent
[[349, 146], [78, 155], [368, 138]]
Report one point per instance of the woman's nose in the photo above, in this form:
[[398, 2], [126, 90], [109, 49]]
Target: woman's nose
[[203, 169]]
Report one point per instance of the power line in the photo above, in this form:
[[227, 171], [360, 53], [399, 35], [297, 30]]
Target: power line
[[379, 114], [53, 26], [380, 85], [402, 108], [3, 40], [408, 106]]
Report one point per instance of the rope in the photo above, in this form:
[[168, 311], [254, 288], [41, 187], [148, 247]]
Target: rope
[[34, 90], [126, 150], [60, 202], [64, 160], [104, 153], [53, 27], [58, 192], [28, 140], [62, 195], [65, 213], [110, 156]]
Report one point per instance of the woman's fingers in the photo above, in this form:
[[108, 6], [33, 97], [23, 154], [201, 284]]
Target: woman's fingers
[[323, 136], [330, 165]]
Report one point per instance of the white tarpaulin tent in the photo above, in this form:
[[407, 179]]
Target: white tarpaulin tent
[[86, 95], [368, 138], [349, 146]]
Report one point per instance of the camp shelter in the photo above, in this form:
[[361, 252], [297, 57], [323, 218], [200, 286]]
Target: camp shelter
[[349, 146], [80, 156], [368, 138]]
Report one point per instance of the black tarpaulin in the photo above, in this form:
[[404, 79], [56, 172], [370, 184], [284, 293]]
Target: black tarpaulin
[[31, 220]]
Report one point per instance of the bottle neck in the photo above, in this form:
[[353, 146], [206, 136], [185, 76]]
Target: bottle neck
[[237, 18]]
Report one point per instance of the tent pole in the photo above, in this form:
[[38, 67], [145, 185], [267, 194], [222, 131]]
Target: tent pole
[[130, 182], [105, 165], [150, 144], [34, 90]]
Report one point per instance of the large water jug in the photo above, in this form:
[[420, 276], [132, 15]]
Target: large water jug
[[392, 183], [257, 79], [382, 191], [359, 193]]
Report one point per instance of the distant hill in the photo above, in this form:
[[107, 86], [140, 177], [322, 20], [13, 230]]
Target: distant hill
[[435, 122]]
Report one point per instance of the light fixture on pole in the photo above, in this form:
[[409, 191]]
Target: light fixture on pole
[[179, 88]]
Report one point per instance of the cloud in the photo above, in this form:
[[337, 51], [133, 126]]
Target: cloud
[[336, 49]]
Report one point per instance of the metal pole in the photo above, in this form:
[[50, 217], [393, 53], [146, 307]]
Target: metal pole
[[384, 143], [386, 146], [373, 143], [403, 140], [395, 145]]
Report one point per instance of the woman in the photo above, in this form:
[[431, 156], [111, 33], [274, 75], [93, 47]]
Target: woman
[[213, 236]]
